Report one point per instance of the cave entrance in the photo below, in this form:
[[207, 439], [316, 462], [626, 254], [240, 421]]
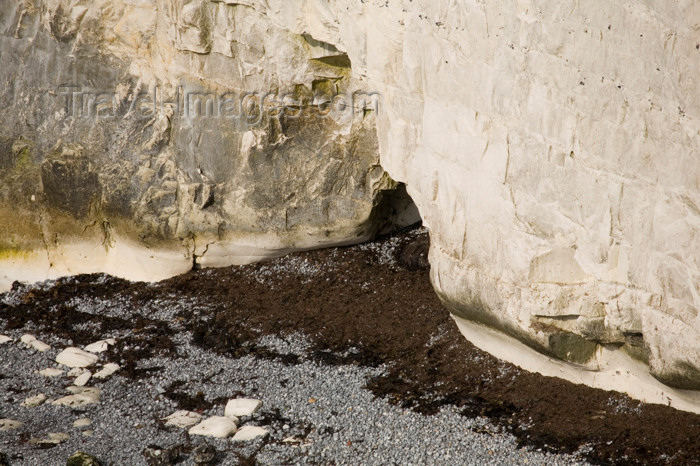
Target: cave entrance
[[395, 210]]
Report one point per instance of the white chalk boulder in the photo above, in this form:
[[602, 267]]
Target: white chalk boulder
[[75, 357], [217, 426], [242, 407], [250, 433], [100, 346], [9, 424], [82, 379], [51, 372], [183, 419], [81, 396], [34, 401], [108, 369]]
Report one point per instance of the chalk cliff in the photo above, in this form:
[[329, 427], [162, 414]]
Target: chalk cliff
[[551, 147]]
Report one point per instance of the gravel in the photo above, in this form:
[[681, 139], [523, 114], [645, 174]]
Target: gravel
[[316, 414]]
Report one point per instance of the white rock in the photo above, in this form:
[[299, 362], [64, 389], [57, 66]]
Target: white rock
[[78, 390], [75, 357], [37, 441], [100, 346], [51, 372], [34, 401], [80, 396], [52, 438], [4, 339], [87, 433], [242, 407], [250, 433], [82, 422], [31, 341], [183, 419], [9, 424], [108, 369], [216, 426], [82, 379], [40, 346]]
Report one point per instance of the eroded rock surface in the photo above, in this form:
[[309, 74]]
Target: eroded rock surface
[[147, 139], [551, 148]]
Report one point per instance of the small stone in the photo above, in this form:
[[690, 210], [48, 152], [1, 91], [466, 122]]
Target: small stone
[[78, 390], [31, 341], [82, 379], [80, 396], [34, 401], [82, 459], [157, 456], [204, 454], [216, 426], [51, 372], [40, 346], [75, 357], [82, 422], [53, 438], [246, 433], [60, 436], [9, 424], [99, 346], [108, 369], [4, 339], [183, 419], [87, 433], [242, 407]]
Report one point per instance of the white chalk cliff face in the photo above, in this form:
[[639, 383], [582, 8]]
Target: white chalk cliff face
[[551, 147]]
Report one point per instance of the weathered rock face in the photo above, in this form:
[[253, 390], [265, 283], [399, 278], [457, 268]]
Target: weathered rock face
[[552, 148], [140, 140]]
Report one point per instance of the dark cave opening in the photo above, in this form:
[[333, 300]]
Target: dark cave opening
[[394, 210]]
